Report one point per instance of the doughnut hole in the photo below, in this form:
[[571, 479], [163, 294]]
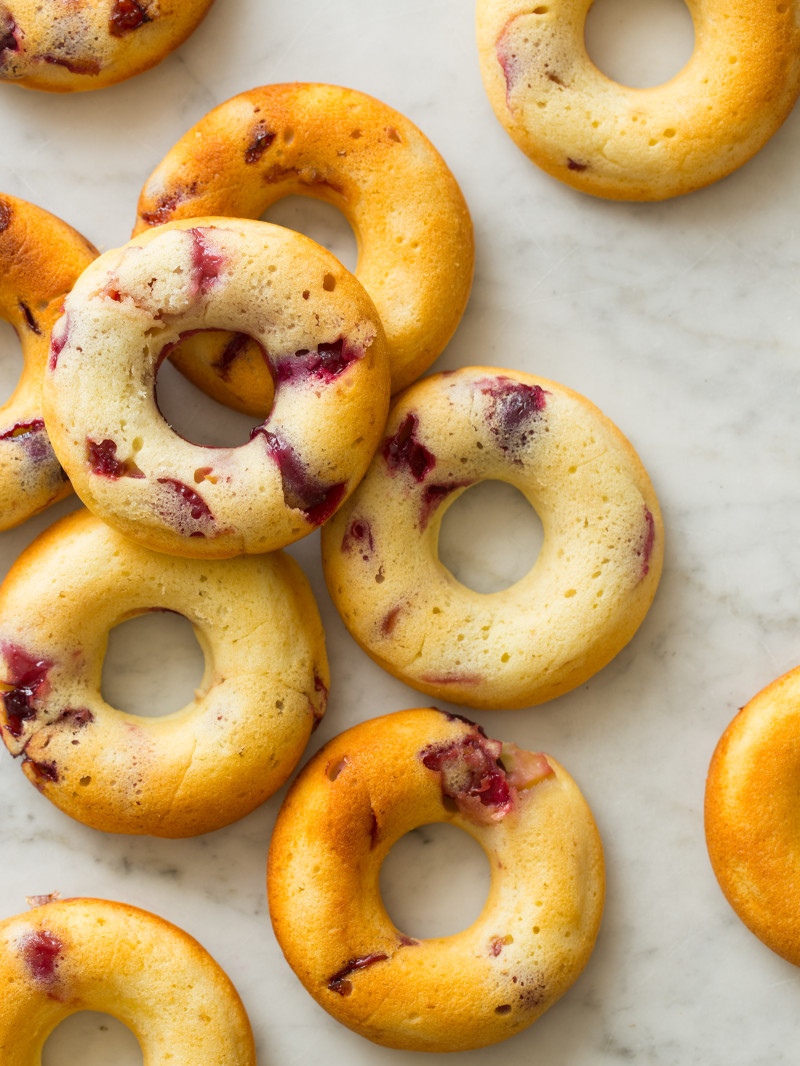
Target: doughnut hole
[[639, 43], [320, 221], [435, 881], [490, 537], [92, 1039], [200, 419], [10, 361], [153, 665]]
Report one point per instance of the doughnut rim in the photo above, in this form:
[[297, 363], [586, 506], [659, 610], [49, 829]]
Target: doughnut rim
[[751, 822], [121, 56], [334, 845], [256, 166], [40, 258], [327, 429], [373, 607], [201, 767], [695, 138], [209, 1019]]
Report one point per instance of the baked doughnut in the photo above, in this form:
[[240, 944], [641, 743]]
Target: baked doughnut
[[72, 45], [579, 605], [264, 688], [323, 343], [412, 225], [40, 258], [751, 815], [94, 954], [344, 812], [640, 144]]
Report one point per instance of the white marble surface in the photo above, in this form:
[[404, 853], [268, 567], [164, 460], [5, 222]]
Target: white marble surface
[[680, 320]]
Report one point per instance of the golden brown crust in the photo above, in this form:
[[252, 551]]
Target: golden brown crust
[[92, 954], [342, 815], [640, 144], [413, 227], [40, 259], [318, 330], [586, 594], [264, 688], [752, 818], [76, 45]]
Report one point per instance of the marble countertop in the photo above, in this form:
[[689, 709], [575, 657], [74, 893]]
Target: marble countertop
[[680, 321]]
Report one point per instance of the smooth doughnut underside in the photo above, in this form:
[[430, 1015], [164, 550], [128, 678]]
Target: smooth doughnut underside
[[320, 338], [585, 595], [414, 232], [752, 818], [640, 144], [40, 259], [361, 793], [75, 45], [264, 688], [91, 954]]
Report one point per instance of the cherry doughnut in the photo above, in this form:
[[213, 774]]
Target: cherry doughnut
[[348, 807], [413, 227], [321, 339], [72, 45], [751, 817], [264, 688], [588, 591], [640, 144], [40, 259], [94, 954]]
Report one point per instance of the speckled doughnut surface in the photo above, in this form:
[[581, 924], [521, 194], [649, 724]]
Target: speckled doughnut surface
[[40, 259], [93, 954], [583, 599], [412, 225], [67, 46], [323, 343], [353, 801], [752, 816], [264, 688], [640, 144]]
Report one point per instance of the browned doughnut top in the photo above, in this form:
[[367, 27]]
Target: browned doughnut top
[[640, 144], [93, 954], [753, 817], [40, 259], [412, 225], [64, 46]]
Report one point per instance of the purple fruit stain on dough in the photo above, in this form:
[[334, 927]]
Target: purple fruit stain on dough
[[42, 772], [102, 459], [301, 491], [72, 64], [324, 363], [5, 215], [58, 339], [514, 409], [404, 451], [473, 776], [339, 983], [358, 536], [30, 321], [207, 262], [41, 951], [8, 39], [28, 676], [166, 204], [508, 59], [230, 353], [262, 139], [647, 546], [191, 504], [126, 15], [433, 495]]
